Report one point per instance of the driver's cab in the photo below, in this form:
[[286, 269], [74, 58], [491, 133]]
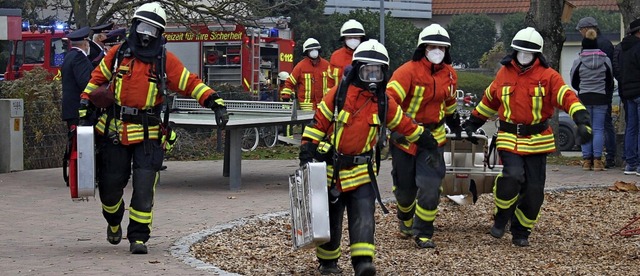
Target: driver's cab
[[44, 49]]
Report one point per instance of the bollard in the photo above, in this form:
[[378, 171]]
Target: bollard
[[11, 135]]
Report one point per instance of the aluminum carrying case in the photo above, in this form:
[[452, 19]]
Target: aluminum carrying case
[[86, 164], [309, 205]]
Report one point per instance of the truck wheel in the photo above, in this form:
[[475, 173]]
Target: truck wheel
[[565, 139]]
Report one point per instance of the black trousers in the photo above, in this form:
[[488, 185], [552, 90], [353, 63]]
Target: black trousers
[[115, 164], [519, 192], [360, 205]]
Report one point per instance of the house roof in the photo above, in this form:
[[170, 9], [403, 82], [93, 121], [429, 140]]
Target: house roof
[[452, 7]]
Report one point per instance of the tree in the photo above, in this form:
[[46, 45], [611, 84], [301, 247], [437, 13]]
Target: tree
[[511, 24], [471, 36], [608, 22], [545, 17], [630, 10]]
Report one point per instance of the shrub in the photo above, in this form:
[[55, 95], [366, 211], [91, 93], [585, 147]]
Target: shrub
[[474, 82]]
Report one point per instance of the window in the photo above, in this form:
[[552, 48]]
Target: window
[[34, 51], [58, 50]]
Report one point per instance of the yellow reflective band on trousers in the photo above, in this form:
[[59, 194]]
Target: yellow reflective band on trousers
[[140, 216], [502, 203], [524, 221], [112, 209], [362, 249], [426, 215], [326, 254], [406, 209]]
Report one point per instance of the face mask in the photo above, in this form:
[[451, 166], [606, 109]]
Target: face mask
[[352, 43], [313, 54], [435, 56], [524, 58]]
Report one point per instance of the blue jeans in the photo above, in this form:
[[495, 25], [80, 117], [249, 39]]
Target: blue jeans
[[609, 136], [631, 142], [595, 146]]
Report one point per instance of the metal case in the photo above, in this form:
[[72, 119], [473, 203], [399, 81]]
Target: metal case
[[86, 163], [309, 205]]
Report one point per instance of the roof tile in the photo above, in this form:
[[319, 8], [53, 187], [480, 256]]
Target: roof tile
[[451, 7]]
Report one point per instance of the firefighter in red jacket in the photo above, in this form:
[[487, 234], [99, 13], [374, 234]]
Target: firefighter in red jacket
[[351, 34], [344, 133], [309, 81], [130, 129], [524, 94], [425, 88]]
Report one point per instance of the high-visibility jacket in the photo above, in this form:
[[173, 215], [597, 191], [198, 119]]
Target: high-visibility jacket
[[340, 59], [357, 133], [527, 98], [426, 93], [310, 81], [136, 86]]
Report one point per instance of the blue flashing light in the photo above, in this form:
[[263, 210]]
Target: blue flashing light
[[25, 25], [274, 32], [60, 26]]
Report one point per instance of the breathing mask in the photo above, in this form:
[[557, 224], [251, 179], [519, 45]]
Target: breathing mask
[[524, 58], [313, 54], [352, 43], [435, 56], [146, 33]]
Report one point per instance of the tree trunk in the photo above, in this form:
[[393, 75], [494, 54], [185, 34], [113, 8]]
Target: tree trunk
[[630, 10], [545, 16]]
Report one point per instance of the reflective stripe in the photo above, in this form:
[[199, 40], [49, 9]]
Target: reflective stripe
[[487, 92], [313, 133], [118, 89], [371, 136], [406, 209], [140, 216], [397, 118], [151, 95], [426, 215], [325, 111], [308, 87], [112, 209], [395, 86], [184, 77], [485, 110], [451, 108], [536, 106], [293, 80], [325, 84], [502, 203], [106, 71], [350, 178], [362, 249], [576, 107], [416, 99], [198, 91], [561, 92], [538, 143], [286, 91], [528, 223], [90, 88], [506, 103], [416, 134], [326, 254]]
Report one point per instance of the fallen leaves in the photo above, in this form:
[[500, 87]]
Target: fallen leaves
[[621, 186]]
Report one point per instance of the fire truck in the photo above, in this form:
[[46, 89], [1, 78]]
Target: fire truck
[[40, 46], [235, 55]]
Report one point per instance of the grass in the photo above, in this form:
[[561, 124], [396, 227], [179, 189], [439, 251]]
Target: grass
[[563, 160]]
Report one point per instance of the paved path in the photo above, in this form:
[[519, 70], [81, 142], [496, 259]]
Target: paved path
[[44, 233]]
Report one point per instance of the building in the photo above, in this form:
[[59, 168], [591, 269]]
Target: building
[[418, 11]]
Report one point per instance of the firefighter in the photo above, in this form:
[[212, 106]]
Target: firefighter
[[344, 132], [309, 80], [524, 94], [351, 34], [130, 130], [282, 78], [97, 45], [425, 89], [76, 72]]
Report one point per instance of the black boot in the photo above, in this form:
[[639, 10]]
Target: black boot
[[328, 267], [138, 247], [114, 237], [365, 269]]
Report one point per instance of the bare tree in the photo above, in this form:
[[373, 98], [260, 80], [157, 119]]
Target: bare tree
[[630, 10], [184, 12], [545, 16]]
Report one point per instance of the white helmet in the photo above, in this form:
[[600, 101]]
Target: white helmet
[[371, 51], [528, 40], [434, 34], [283, 76], [352, 28], [152, 13], [310, 44]]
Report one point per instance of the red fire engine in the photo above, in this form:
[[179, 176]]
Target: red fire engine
[[40, 46], [235, 55]]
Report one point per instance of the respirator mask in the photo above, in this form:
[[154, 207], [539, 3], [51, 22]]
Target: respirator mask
[[146, 33]]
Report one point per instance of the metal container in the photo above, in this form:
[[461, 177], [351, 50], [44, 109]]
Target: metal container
[[309, 205], [86, 164]]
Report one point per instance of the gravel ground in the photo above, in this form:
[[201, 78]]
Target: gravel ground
[[573, 236]]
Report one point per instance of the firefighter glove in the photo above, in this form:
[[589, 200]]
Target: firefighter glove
[[583, 121], [217, 105], [85, 113], [307, 152], [470, 126], [453, 122], [167, 144], [399, 138], [426, 140]]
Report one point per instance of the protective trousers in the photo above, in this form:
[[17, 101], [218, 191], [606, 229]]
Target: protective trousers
[[360, 205], [115, 164], [417, 180], [519, 192]]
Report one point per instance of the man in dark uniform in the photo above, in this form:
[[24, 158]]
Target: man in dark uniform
[[113, 38], [97, 46], [76, 72]]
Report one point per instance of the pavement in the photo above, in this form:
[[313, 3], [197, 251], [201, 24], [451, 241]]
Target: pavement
[[43, 232]]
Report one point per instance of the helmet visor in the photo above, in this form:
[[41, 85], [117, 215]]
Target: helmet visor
[[371, 73], [147, 29]]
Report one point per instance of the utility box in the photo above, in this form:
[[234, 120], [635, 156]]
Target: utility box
[[11, 135]]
